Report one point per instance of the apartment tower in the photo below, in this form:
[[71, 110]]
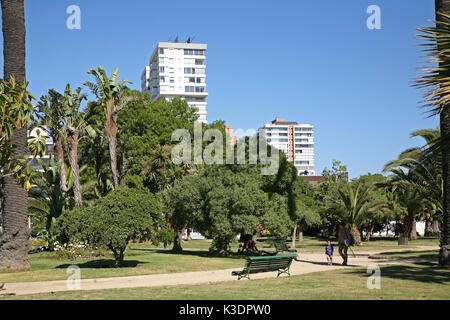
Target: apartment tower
[[295, 140], [178, 70]]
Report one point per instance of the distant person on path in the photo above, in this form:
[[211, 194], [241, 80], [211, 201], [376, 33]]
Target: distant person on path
[[329, 252], [343, 241]]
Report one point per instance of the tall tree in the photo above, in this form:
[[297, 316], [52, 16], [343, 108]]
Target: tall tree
[[15, 244], [355, 203], [111, 94], [435, 81], [424, 176], [406, 187], [51, 114], [74, 128]]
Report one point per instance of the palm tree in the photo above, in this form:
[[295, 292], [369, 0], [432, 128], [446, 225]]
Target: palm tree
[[74, 128], [409, 193], [111, 94], [437, 93], [14, 243], [46, 199], [160, 172], [354, 203], [424, 175], [51, 114]]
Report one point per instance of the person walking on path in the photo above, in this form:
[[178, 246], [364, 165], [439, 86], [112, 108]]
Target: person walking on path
[[343, 241]]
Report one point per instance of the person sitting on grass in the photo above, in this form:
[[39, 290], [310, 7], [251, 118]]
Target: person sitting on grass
[[329, 252]]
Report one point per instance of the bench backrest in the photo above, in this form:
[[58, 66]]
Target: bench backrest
[[269, 263], [278, 243]]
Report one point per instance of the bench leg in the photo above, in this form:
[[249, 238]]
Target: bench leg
[[244, 276], [286, 271]]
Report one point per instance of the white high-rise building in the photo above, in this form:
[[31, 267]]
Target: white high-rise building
[[178, 70], [295, 140]]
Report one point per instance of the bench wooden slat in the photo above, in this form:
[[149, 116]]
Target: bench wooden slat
[[259, 264]]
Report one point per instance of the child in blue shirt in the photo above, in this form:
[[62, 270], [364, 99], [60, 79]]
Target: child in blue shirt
[[329, 252]]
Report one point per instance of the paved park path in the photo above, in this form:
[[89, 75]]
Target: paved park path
[[308, 263]]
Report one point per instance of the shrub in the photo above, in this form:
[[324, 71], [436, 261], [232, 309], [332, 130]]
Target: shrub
[[113, 221], [164, 235], [78, 251]]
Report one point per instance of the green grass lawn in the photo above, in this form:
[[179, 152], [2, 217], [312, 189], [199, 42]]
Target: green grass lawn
[[145, 259], [429, 254], [313, 244], [411, 281], [140, 259]]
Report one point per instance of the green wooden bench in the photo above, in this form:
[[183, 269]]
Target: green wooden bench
[[280, 244], [280, 263]]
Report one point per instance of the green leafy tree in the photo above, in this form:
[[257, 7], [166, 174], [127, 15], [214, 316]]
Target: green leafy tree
[[184, 203], [145, 133], [114, 220], [327, 192], [301, 206]]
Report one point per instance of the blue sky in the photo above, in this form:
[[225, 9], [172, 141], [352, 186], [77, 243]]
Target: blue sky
[[307, 61]]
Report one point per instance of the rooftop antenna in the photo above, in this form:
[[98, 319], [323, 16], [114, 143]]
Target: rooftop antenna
[[176, 40], [188, 40]]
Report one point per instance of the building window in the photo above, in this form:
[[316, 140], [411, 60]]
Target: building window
[[194, 89], [161, 50], [196, 52]]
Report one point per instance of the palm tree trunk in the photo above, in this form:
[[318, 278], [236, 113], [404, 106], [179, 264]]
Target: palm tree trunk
[[428, 227], [98, 161], [413, 235], [444, 254], [14, 243], [357, 235], [59, 156], [435, 227], [111, 131], [72, 152]]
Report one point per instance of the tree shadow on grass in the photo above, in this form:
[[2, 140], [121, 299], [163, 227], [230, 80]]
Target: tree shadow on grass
[[425, 254], [198, 253], [427, 272], [103, 263], [326, 263]]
